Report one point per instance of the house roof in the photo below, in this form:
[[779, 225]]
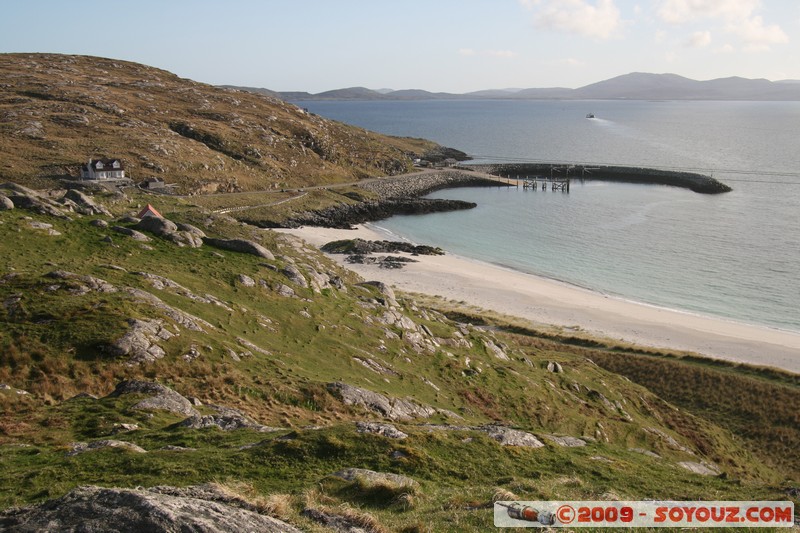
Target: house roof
[[108, 164], [149, 211]]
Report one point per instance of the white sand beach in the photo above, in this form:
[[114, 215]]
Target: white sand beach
[[550, 302]]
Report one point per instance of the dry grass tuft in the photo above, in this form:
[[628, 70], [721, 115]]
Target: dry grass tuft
[[502, 495]]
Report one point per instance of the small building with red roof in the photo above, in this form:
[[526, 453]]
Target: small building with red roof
[[149, 211]]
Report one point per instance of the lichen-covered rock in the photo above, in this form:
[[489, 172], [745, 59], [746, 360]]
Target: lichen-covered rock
[[140, 342], [242, 246], [703, 469], [566, 441], [386, 430], [495, 350], [285, 291], [83, 447], [554, 367], [92, 283], [160, 397], [351, 474], [226, 419], [91, 509], [511, 437], [391, 408], [245, 280]]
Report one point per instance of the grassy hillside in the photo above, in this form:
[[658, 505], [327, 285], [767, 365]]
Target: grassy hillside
[[57, 111], [272, 335]]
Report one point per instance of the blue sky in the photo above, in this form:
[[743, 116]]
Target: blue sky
[[438, 45]]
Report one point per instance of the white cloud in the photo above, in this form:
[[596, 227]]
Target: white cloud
[[468, 52], [572, 62], [699, 39], [756, 35], [680, 11], [598, 19], [725, 49], [738, 16]]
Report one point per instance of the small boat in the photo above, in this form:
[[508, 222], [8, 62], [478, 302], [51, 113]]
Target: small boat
[[590, 115]]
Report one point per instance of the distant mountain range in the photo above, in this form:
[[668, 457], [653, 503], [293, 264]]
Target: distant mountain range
[[634, 86]]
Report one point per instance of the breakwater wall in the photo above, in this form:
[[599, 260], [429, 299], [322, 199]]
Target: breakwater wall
[[422, 183], [689, 180], [397, 195]]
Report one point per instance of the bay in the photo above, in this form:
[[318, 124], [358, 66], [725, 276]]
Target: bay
[[733, 255]]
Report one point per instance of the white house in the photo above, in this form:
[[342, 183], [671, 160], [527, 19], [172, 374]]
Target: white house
[[103, 169]]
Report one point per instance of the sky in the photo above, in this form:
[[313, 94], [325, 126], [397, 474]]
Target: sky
[[438, 45]]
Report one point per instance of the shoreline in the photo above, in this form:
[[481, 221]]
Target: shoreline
[[549, 302]]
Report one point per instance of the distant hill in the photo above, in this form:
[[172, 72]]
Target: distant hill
[[57, 111], [633, 86]]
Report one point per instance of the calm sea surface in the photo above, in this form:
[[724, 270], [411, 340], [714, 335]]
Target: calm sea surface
[[735, 255]]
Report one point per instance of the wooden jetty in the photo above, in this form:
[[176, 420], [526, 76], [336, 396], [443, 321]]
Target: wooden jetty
[[543, 182], [554, 182]]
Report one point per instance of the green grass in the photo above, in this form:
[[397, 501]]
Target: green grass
[[52, 344]]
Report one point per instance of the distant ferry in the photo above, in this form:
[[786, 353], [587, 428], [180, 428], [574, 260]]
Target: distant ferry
[[590, 115]]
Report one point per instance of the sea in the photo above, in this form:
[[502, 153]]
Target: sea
[[734, 256]]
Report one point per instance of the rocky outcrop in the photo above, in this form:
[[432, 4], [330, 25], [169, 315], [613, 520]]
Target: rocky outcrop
[[25, 198], [5, 203], [83, 447], [85, 204], [243, 246], [511, 437], [372, 477], [245, 280], [495, 350], [140, 343], [159, 226], [160, 397], [391, 408], [385, 430], [166, 229], [295, 276], [182, 318], [158, 510], [346, 216], [132, 233], [226, 419], [362, 247], [565, 441], [389, 298], [703, 469], [83, 282]]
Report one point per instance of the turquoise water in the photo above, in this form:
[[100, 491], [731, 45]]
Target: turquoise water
[[734, 255]]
